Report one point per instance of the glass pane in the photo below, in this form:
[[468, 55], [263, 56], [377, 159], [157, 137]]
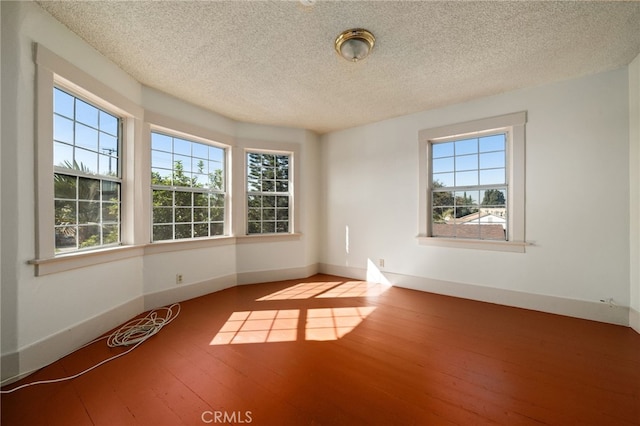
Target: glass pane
[[198, 165], [282, 201], [255, 214], [253, 184], [467, 198], [268, 186], [269, 201], [62, 129], [183, 231], [491, 231], [468, 230], [282, 226], [182, 162], [65, 212], [88, 189], [443, 179], [162, 232], [110, 234], [465, 213], [66, 237], [200, 199], [254, 201], [442, 199], [442, 215], [467, 162], [200, 214], [467, 178], [442, 165], [217, 214], [161, 142], [184, 214], [444, 149], [181, 146], [494, 198], [200, 180], [493, 143], [108, 165], [88, 212], [108, 123], [217, 229], [216, 154], [269, 173], [282, 186], [162, 198], [492, 160], [268, 160], [183, 198], [466, 146], [254, 228], [201, 230], [161, 177], [108, 144], [162, 215], [216, 179], [87, 114], [86, 161], [217, 200], [492, 177], [268, 227], [88, 236], [110, 191], [110, 212], [62, 103], [269, 214], [64, 186], [62, 155], [200, 151], [282, 214]]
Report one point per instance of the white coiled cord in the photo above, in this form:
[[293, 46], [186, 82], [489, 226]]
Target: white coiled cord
[[135, 332]]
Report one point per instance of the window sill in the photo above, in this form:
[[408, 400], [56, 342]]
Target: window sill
[[504, 246], [267, 238], [67, 262], [178, 245]]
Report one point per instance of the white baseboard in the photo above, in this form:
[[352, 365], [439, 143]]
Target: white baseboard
[[595, 311], [30, 358], [277, 274], [189, 291], [634, 319]]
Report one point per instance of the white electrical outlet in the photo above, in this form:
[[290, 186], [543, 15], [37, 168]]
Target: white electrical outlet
[[381, 263], [178, 278]]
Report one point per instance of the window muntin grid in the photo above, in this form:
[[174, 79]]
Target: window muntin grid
[[87, 180], [469, 188], [268, 193], [188, 188]]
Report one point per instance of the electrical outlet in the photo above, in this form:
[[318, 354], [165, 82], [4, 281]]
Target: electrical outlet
[[381, 263], [178, 278]]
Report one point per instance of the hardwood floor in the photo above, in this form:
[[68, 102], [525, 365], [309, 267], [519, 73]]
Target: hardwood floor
[[332, 351]]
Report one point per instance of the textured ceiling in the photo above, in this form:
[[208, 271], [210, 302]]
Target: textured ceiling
[[273, 62]]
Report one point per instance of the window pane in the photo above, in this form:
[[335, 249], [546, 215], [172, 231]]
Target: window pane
[[184, 214], [200, 151], [466, 146], [161, 177], [200, 230], [494, 198], [442, 199], [162, 232], [62, 155], [183, 231], [110, 212], [441, 165], [62, 129], [493, 143], [492, 160], [443, 179], [110, 234], [217, 214], [162, 215], [65, 238], [200, 199], [268, 227], [108, 144], [86, 161], [200, 214], [63, 103], [442, 149], [161, 142], [88, 236], [87, 114], [108, 166], [181, 146], [88, 212], [88, 189], [216, 154], [86, 137], [282, 227], [182, 198], [108, 123], [217, 229], [467, 178], [467, 162], [65, 212], [492, 177], [162, 198]]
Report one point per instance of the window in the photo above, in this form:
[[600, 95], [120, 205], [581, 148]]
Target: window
[[269, 193], [472, 184], [87, 178], [188, 186], [469, 188]]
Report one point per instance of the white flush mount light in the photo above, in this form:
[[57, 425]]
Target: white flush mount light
[[355, 44]]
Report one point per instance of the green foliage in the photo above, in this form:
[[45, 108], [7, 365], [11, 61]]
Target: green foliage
[[493, 197]]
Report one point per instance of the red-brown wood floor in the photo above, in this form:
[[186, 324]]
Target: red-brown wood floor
[[332, 351]]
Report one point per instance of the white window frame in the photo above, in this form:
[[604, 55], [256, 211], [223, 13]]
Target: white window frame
[[53, 71], [175, 128], [514, 126], [240, 214]]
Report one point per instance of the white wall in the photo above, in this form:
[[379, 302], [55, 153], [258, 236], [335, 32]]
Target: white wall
[[634, 194], [577, 207]]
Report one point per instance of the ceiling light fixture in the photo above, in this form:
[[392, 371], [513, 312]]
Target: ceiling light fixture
[[355, 44]]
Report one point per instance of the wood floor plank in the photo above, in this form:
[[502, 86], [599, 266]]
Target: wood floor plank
[[328, 350]]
